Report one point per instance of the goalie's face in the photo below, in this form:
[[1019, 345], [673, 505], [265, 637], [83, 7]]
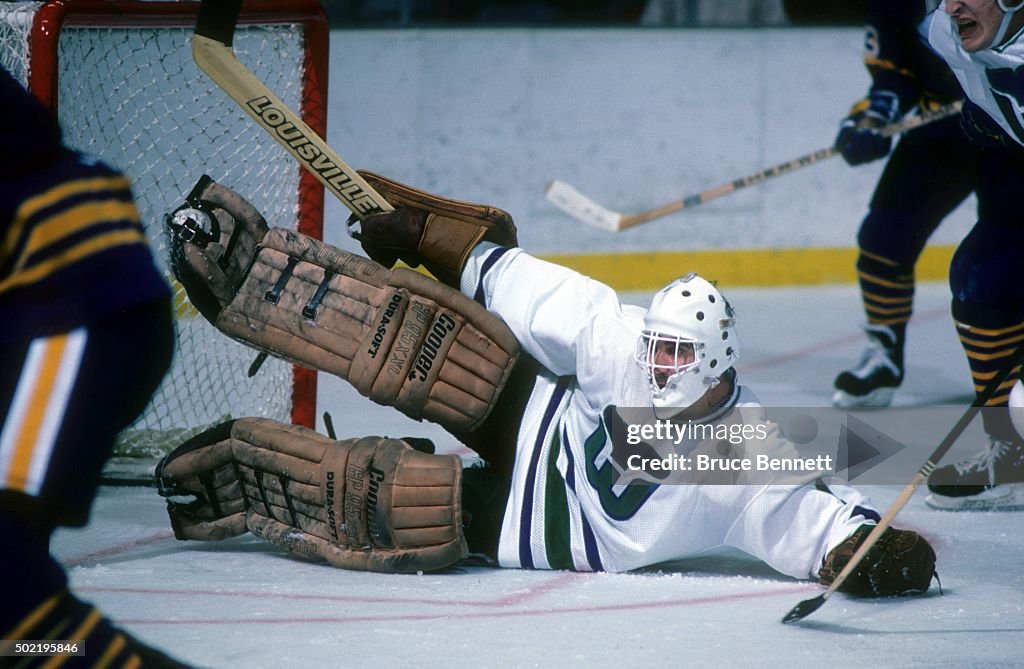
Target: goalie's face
[[664, 356]]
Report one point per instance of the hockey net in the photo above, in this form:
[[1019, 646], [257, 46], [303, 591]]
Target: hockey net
[[121, 78]]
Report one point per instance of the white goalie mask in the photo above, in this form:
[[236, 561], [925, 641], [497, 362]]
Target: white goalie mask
[[688, 342]]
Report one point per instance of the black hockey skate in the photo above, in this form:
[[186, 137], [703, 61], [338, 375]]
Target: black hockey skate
[[872, 383], [901, 562], [992, 479]]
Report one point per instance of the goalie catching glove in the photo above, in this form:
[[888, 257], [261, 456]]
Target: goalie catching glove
[[369, 504], [427, 229], [402, 339]]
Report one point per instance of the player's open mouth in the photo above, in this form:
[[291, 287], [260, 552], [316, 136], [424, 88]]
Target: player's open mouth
[[965, 27]]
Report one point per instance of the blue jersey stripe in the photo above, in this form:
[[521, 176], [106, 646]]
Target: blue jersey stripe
[[525, 518], [488, 263], [589, 541]]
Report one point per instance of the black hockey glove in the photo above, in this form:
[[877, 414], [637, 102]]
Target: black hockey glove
[[859, 139]]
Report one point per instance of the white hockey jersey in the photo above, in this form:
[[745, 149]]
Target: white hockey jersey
[[567, 508], [992, 78]]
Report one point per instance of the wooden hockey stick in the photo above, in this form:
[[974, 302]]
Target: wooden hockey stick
[[579, 206], [809, 606], [212, 52]]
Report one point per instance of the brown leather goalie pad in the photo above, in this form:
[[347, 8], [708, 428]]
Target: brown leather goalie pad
[[368, 504], [400, 338]]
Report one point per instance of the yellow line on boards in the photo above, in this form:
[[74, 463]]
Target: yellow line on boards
[[640, 271], [649, 271]]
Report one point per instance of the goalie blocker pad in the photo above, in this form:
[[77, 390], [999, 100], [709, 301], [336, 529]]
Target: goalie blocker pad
[[367, 504], [400, 338]]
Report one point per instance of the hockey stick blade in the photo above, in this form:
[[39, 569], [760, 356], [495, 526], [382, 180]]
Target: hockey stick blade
[[581, 207], [212, 52], [804, 609], [807, 607]]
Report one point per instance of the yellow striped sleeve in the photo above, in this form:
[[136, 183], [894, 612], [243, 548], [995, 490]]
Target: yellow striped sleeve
[[35, 204], [72, 221], [72, 255]]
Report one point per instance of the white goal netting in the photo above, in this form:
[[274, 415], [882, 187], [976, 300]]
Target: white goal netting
[[126, 89]]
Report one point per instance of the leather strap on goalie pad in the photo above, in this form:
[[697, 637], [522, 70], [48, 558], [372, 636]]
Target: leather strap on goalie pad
[[400, 338], [437, 231], [370, 504], [214, 236], [202, 471]]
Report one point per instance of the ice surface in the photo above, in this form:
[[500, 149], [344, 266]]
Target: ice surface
[[244, 603]]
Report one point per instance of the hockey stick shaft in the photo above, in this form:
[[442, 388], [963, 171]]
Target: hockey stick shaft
[[578, 205], [212, 52], [806, 607], [908, 123], [721, 190]]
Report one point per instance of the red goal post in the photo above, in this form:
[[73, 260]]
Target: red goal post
[[121, 79]]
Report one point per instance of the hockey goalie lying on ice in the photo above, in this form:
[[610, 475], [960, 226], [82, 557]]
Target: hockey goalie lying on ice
[[525, 362]]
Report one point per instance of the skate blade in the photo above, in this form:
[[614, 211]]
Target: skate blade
[[1006, 497], [879, 398]]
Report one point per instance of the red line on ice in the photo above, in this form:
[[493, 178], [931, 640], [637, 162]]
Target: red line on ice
[[518, 597], [617, 607], [830, 344], [117, 549]]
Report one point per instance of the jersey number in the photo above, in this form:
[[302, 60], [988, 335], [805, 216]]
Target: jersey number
[[620, 506]]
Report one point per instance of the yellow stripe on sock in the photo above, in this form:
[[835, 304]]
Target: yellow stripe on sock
[[878, 258], [1002, 353], [881, 299], [965, 328], [999, 343], [889, 311], [898, 285]]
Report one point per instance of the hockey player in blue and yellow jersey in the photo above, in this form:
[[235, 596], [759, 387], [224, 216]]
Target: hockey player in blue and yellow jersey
[[931, 171], [983, 43], [85, 338]]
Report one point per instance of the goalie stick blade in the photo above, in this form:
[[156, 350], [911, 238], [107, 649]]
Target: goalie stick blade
[[581, 207], [804, 609]]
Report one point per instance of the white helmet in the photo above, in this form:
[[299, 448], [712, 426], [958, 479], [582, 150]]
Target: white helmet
[[688, 342]]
